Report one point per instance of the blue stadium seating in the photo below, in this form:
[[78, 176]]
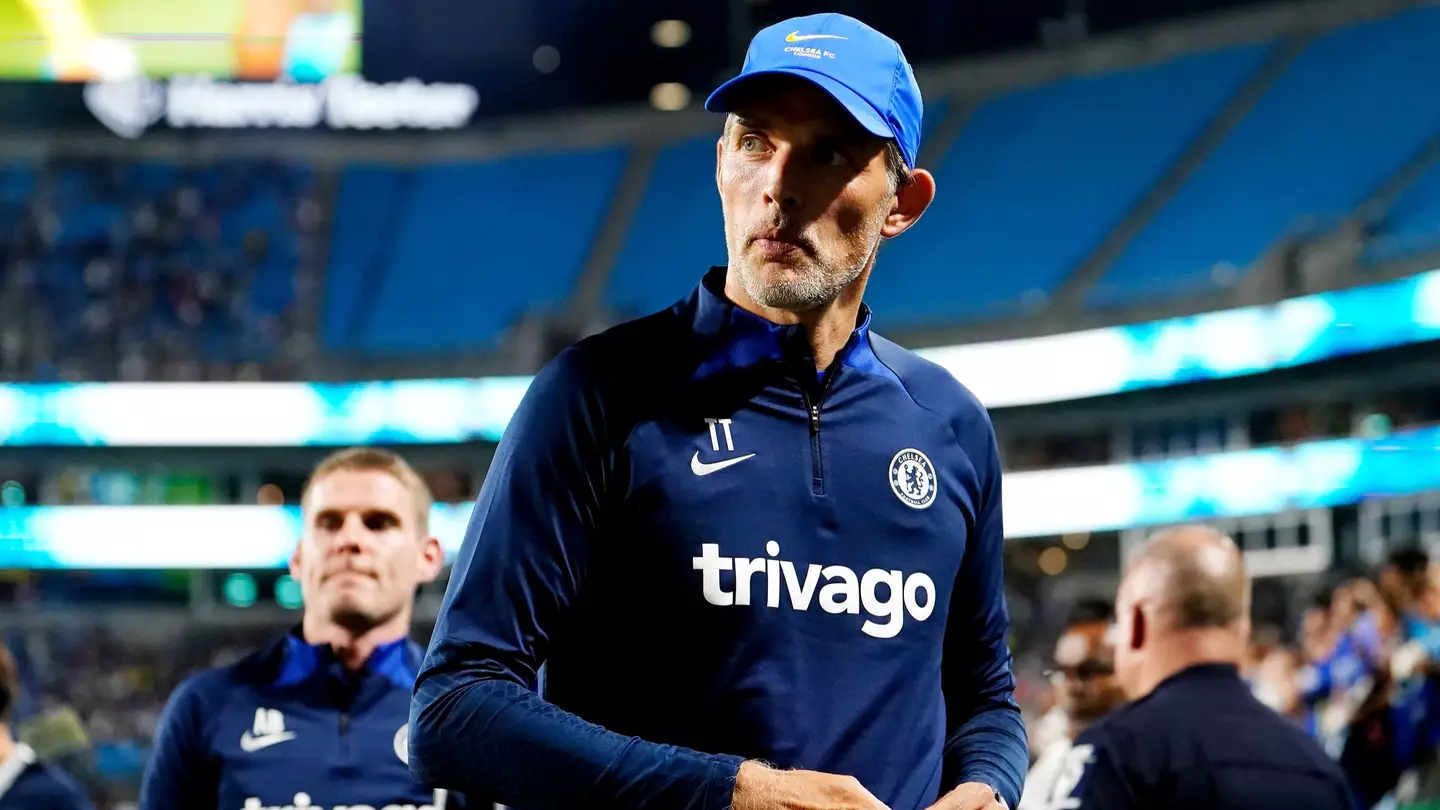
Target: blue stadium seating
[[16, 182], [677, 230], [477, 246], [367, 212], [1353, 107], [1412, 224], [220, 265], [1038, 177]]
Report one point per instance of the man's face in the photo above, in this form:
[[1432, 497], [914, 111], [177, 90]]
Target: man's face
[[804, 192], [1085, 661], [362, 555]]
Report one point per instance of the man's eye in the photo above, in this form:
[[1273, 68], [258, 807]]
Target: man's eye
[[826, 156], [750, 143]]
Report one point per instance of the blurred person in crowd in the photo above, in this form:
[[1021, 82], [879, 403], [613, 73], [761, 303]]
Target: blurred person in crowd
[[1316, 629], [1194, 736], [1357, 710], [781, 530], [1085, 690], [1409, 582], [25, 782], [1275, 682], [320, 716]]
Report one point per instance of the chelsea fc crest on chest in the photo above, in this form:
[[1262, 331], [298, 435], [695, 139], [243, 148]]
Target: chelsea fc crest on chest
[[912, 478]]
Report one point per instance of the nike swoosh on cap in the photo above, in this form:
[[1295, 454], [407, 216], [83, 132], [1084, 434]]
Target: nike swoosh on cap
[[702, 468], [796, 36]]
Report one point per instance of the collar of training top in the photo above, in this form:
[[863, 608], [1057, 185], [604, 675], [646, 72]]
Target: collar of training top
[[1209, 671], [741, 339], [302, 660]]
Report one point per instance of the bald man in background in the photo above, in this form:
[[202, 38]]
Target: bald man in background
[[1194, 736]]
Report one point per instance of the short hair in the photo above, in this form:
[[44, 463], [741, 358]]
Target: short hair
[[1202, 582], [9, 684], [1090, 611], [1410, 561], [374, 459], [899, 173], [1201, 600]]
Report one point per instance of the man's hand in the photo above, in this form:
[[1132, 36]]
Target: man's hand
[[758, 787], [969, 796]]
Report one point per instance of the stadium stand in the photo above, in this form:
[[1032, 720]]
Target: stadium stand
[[1412, 225], [1038, 177], [114, 270], [659, 263], [131, 271], [476, 247], [367, 206], [1330, 131]]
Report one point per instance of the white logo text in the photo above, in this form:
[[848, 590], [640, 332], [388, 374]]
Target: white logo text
[[844, 590], [302, 802]]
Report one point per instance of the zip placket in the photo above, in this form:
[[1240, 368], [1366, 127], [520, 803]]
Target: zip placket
[[812, 408]]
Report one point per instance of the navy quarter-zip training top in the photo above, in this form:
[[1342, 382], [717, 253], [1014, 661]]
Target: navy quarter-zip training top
[[289, 728], [720, 555], [26, 783]]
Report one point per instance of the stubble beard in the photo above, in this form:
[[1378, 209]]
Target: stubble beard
[[810, 285]]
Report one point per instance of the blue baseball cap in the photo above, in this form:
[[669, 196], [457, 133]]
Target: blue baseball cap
[[858, 66]]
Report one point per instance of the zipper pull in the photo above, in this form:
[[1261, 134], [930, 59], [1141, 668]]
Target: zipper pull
[[814, 418]]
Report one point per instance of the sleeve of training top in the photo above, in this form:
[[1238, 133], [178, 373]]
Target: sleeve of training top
[[1093, 777], [181, 774], [72, 797], [476, 725], [986, 735]]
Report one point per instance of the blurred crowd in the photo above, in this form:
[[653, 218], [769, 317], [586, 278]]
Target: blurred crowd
[[137, 271], [111, 684], [1362, 675], [1360, 670]]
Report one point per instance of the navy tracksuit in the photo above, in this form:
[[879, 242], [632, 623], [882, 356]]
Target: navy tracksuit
[[28, 784], [289, 728], [718, 554], [1200, 741]]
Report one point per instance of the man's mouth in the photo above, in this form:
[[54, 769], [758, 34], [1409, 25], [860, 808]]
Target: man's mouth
[[775, 243]]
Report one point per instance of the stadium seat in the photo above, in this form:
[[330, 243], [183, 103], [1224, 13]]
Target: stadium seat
[[1038, 177], [17, 180], [367, 210], [475, 247], [1412, 225], [675, 234], [1351, 109]]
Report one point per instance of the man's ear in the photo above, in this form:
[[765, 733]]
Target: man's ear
[[432, 559], [910, 202], [719, 153], [295, 562], [1138, 628]]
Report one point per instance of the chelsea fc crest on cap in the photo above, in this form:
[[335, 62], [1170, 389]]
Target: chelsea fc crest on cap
[[912, 478]]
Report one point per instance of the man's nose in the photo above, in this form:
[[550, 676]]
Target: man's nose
[[353, 534], [781, 186]]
